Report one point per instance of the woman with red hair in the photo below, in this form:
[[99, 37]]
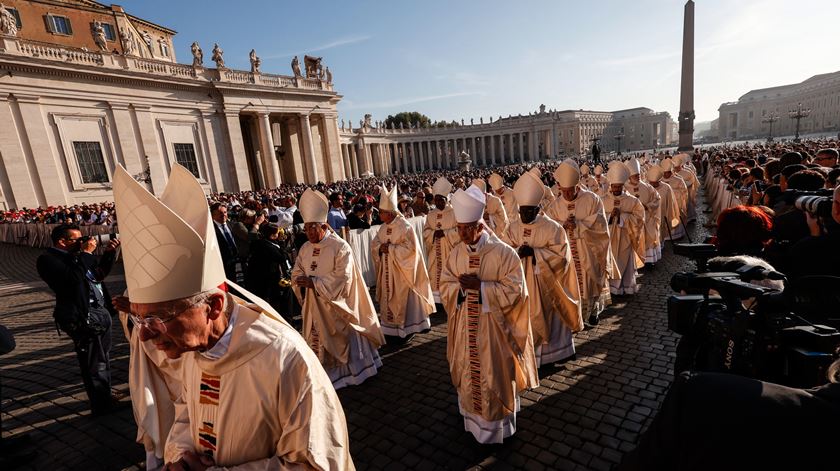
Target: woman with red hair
[[743, 230]]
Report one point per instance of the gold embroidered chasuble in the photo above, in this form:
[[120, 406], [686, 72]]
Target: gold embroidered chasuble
[[265, 404], [438, 249], [339, 303], [550, 275], [627, 231], [589, 242], [400, 273], [651, 201], [489, 346]]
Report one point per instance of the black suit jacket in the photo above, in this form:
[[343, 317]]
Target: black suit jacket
[[65, 274], [228, 251]]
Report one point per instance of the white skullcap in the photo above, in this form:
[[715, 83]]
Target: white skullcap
[[442, 187], [584, 169], [314, 206], [528, 190], [480, 184], [169, 245], [496, 181], [634, 166], [618, 174], [654, 173], [468, 205], [599, 169], [388, 199], [667, 165], [567, 174]]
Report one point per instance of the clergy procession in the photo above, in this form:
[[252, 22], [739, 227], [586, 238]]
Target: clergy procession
[[219, 377]]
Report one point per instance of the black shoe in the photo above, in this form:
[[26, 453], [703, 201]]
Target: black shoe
[[593, 320]]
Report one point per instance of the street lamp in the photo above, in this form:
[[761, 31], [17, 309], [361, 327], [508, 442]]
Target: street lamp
[[770, 119], [798, 114], [619, 137]]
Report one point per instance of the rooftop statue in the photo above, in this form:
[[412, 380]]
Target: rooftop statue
[[255, 62], [129, 43], [8, 22], [98, 35], [296, 67], [313, 66], [198, 55], [218, 56]]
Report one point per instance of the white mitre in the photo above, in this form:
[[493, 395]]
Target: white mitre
[[314, 206], [599, 169], [618, 174], [442, 187], [168, 244], [680, 159], [468, 204], [388, 199], [584, 169], [478, 182], [568, 174], [634, 166], [667, 165], [528, 190], [496, 181], [654, 173]]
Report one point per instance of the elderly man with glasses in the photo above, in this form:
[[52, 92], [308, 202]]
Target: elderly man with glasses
[[247, 389]]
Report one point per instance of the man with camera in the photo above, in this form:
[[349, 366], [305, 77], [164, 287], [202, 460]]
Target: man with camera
[[83, 308], [818, 253]]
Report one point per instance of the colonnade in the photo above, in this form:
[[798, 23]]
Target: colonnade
[[366, 155]]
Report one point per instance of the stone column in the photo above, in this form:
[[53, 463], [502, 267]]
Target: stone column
[[272, 168], [493, 150], [522, 147], [332, 153], [346, 160], [24, 187], [532, 146], [308, 150], [159, 175], [354, 158]]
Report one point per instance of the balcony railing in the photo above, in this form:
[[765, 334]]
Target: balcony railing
[[107, 60]]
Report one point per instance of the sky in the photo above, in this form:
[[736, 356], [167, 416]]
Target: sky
[[468, 59]]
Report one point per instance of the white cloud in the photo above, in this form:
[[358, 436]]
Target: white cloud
[[330, 45]]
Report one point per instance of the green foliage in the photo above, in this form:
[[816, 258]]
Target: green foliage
[[408, 118]]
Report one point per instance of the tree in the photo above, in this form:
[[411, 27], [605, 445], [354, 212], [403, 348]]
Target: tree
[[408, 118]]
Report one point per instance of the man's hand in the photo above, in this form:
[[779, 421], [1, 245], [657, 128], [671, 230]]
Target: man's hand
[[469, 281], [304, 281], [89, 245], [383, 248], [439, 234], [615, 213], [113, 244], [813, 224], [121, 303], [190, 461], [526, 251]]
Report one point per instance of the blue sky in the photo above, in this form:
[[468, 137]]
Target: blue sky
[[466, 59]]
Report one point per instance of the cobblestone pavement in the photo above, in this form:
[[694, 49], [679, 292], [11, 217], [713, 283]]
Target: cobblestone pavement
[[584, 415]]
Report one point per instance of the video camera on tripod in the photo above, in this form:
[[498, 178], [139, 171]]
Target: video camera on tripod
[[766, 339]]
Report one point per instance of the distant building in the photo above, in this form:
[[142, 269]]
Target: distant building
[[373, 149], [742, 119]]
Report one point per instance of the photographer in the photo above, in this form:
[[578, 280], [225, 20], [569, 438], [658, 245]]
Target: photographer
[[818, 253], [83, 308]]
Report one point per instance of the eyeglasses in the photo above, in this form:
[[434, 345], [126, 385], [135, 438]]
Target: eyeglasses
[[157, 321]]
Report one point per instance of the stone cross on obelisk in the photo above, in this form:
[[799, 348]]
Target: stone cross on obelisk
[[686, 117]]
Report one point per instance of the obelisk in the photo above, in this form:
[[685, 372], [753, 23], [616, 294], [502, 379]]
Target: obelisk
[[686, 117]]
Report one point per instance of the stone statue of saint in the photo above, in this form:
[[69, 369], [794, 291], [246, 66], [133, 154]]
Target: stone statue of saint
[[367, 120], [342, 124], [99, 36], [147, 38], [218, 56], [481, 120], [198, 55], [542, 109], [255, 62], [296, 67], [462, 121], [8, 22], [128, 42], [401, 125], [329, 75], [472, 121]]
